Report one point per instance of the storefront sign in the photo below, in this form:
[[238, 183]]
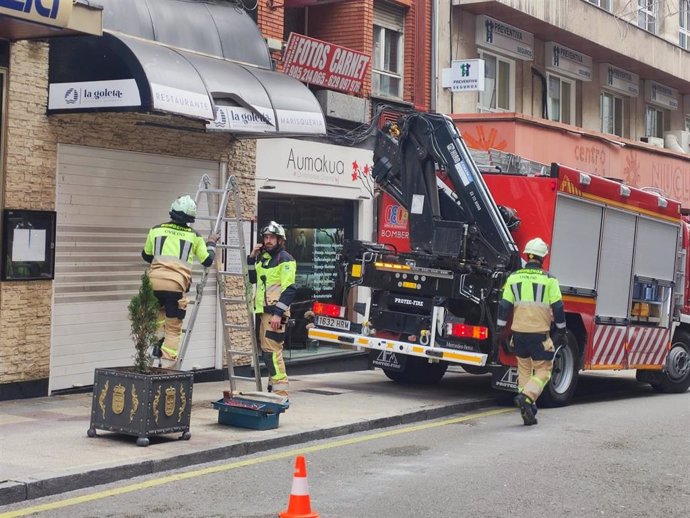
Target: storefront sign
[[568, 62], [290, 121], [324, 64], [661, 95], [326, 165], [183, 102], [464, 75], [502, 37], [619, 80], [93, 94], [394, 227], [55, 13], [243, 120]]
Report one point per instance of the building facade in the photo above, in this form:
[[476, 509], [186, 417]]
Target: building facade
[[601, 85], [110, 113]]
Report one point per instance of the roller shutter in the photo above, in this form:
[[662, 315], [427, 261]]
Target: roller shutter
[[106, 202]]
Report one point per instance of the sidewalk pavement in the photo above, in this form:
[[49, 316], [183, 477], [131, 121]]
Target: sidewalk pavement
[[44, 448]]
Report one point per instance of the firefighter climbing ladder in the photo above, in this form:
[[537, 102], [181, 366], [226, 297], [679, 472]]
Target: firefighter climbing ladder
[[230, 226]]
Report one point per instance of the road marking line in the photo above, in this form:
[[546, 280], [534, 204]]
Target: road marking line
[[243, 463]]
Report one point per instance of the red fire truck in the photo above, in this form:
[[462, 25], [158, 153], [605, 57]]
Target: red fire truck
[[619, 253]]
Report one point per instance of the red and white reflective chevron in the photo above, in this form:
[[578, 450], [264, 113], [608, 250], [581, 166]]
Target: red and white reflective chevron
[[608, 347], [648, 345]]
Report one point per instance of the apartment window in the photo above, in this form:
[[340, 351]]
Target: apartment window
[[611, 114], [646, 14], [604, 4], [654, 120], [684, 23], [561, 99], [387, 77], [499, 83]]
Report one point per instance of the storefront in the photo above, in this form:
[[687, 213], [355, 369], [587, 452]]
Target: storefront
[[322, 194], [132, 122]]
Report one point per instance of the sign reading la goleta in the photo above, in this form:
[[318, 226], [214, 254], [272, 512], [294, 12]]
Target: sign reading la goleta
[[55, 13], [325, 64]]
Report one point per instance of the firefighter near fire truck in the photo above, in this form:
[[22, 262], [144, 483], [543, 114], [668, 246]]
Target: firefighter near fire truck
[[534, 299], [170, 248], [620, 255], [273, 271]]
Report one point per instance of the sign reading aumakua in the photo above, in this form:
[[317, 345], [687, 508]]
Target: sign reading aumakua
[[55, 13], [324, 64]]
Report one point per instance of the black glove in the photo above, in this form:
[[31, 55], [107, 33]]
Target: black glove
[[499, 330], [559, 335]]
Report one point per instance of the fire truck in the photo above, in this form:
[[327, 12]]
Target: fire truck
[[619, 253]]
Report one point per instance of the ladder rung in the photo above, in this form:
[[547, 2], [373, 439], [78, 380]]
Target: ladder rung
[[206, 218], [212, 191], [239, 327], [244, 378], [234, 300], [231, 247], [230, 274], [235, 352]]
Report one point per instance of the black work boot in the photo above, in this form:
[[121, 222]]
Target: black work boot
[[526, 411], [157, 351]]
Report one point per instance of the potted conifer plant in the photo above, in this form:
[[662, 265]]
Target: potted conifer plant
[[142, 400]]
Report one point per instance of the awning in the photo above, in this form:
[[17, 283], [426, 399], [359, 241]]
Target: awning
[[28, 19], [117, 72]]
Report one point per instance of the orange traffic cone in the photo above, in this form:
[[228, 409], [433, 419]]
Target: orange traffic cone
[[299, 505]]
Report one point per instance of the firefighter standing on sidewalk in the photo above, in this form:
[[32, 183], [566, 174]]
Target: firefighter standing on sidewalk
[[535, 299], [273, 271], [171, 248]]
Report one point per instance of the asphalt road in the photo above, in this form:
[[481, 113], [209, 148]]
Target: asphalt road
[[620, 450]]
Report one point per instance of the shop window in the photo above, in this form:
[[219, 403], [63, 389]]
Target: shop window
[[646, 15], [604, 4], [316, 229], [687, 124], [561, 99], [499, 83], [655, 120], [684, 24], [612, 114]]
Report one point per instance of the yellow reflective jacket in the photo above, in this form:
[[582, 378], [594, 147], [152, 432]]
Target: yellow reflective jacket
[[274, 276]]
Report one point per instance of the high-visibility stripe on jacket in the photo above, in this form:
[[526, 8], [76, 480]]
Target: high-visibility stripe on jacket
[[171, 249], [274, 276], [535, 298]]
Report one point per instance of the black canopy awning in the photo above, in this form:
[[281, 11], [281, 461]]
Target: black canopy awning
[[202, 72]]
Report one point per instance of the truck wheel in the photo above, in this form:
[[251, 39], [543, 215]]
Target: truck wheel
[[418, 371], [474, 369], [561, 387], [676, 376]]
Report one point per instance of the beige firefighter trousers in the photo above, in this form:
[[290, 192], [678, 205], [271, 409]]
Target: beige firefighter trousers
[[272, 348], [533, 375]]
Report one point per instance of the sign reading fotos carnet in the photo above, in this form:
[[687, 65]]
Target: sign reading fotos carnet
[[324, 64]]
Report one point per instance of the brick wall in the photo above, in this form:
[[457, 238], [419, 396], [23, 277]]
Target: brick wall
[[349, 24]]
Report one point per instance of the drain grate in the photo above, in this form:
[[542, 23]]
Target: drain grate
[[321, 392]]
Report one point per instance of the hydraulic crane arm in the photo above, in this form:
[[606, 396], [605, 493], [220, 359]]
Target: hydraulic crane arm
[[427, 168]]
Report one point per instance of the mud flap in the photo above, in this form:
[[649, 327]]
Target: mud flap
[[388, 360], [504, 378]]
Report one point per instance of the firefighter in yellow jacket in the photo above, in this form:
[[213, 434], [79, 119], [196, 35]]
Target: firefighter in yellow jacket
[[171, 248], [534, 297], [273, 271]]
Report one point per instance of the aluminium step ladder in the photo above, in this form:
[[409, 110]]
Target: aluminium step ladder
[[227, 223]]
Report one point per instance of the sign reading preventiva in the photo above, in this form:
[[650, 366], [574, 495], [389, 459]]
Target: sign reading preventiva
[[324, 64], [55, 13]]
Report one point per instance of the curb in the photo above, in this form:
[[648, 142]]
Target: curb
[[15, 491]]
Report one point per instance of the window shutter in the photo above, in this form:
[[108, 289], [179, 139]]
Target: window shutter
[[389, 16]]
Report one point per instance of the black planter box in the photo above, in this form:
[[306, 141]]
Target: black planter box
[[141, 404]]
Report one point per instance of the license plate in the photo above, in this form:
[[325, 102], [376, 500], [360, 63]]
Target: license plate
[[335, 323]]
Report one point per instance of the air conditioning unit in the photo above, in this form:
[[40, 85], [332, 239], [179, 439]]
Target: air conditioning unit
[[681, 137], [653, 141]]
